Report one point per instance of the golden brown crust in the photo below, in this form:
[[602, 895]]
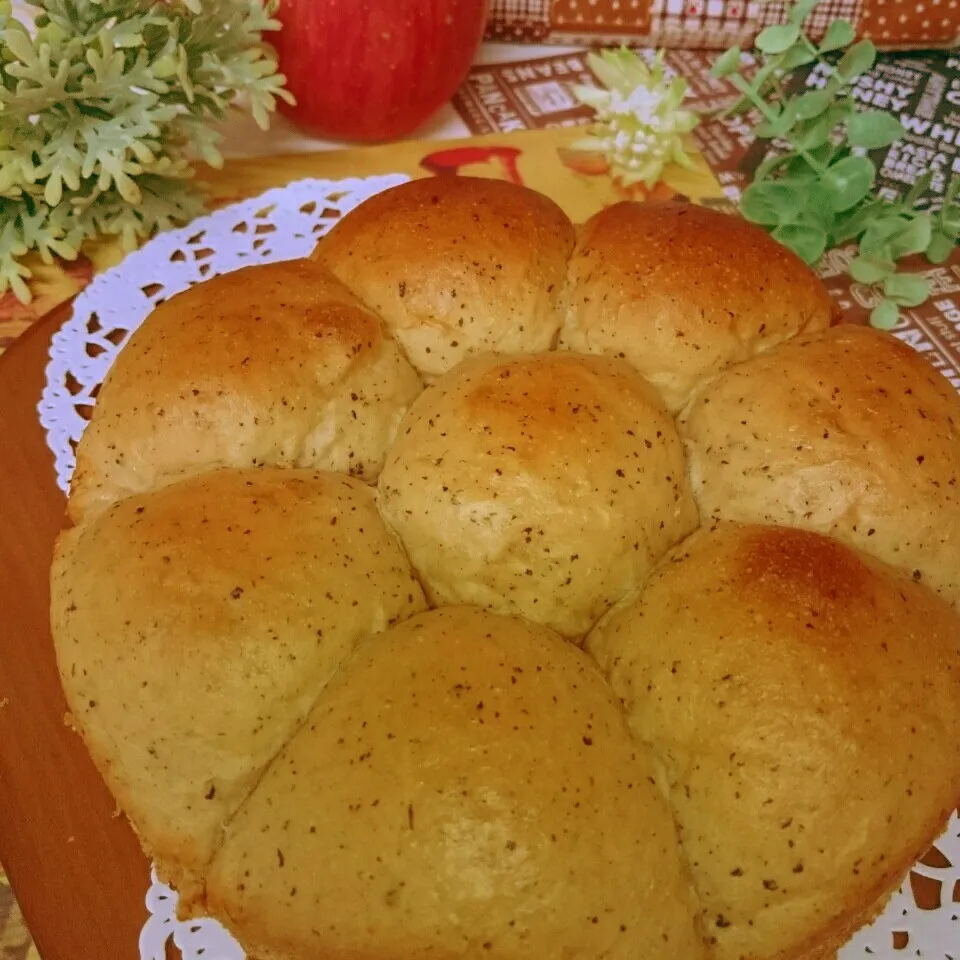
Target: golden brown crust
[[803, 698], [850, 433], [474, 785], [276, 364], [543, 486], [456, 266], [683, 292], [465, 787], [185, 664]]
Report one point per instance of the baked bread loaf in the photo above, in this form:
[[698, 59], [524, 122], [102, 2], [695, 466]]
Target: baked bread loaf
[[773, 669], [465, 786], [683, 293], [296, 372], [759, 736], [850, 433], [197, 624], [545, 486], [456, 266]]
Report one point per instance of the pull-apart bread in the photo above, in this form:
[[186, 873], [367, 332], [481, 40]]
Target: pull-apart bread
[[486, 587]]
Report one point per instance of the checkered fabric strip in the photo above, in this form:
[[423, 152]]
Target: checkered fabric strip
[[519, 20], [823, 15], [703, 23]]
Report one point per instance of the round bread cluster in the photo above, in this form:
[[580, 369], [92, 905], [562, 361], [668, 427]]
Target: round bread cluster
[[488, 587]]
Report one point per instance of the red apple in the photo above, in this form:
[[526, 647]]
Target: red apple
[[368, 70]]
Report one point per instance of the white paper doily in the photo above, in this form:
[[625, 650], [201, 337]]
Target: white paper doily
[[283, 224]]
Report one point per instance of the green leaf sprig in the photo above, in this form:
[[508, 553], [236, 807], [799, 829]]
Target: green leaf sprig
[[104, 104], [817, 191]]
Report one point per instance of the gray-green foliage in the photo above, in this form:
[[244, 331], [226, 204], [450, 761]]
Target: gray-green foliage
[[102, 109], [819, 192]]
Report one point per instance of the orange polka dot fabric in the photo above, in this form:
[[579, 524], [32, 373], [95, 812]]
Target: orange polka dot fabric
[[894, 23], [716, 24], [823, 15]]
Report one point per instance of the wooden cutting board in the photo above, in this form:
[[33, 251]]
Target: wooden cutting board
[[75, 866]]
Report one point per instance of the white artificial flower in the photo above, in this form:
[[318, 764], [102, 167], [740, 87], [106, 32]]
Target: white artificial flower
[[640, 121]]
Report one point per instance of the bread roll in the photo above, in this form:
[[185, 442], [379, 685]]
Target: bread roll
[[274, 364], [335, 773], [456, 266], [805, 701], [194, 627], [466, 786], [544, 486], [683, 292], [849, 433]]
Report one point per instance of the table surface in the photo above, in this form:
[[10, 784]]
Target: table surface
[[54, 808]]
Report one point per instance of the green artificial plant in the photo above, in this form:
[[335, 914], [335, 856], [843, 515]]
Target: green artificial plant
[[104, 104], [817, 189]]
